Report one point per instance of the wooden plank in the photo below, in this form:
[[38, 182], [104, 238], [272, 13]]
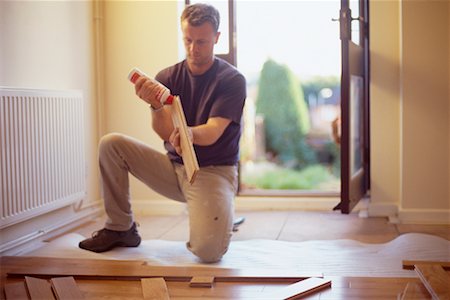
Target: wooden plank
[[66, 288], [414, 290], [19, 266], [16, 291], [179, 120], [154, 289], [202, 281], [187, 148], [342, 288], [435, 279], [302, 288], [409, 264], [39, 288]]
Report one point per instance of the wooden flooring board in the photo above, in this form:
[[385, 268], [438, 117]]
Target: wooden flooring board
[[188, 152], [154, 289], [435, 279], [414, 291], [302, 288], [135, 270], [66, 288], [409, 264], [307, 226], [442, 231], [16, 291], [39, 289], [282, 225], [347, 288], [202, 281], [261, 225]]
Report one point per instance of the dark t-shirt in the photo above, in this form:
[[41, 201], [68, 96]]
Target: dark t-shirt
[[219, 92]]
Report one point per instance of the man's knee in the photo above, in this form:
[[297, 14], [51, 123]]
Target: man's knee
[[109, 140], [209, 251]]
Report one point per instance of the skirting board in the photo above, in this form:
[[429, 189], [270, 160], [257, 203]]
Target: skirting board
[[424, 216], [382, 209], [253, 203], [170, 207]]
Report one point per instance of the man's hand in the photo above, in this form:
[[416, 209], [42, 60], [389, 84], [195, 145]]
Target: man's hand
[[175, 141], [147, 90]]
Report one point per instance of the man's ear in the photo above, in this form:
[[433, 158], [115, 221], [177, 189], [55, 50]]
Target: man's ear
[[217, 37]]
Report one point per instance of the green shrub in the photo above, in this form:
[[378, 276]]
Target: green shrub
[[286, 119]]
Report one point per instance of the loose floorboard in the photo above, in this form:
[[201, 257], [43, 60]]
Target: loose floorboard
[[435, 279], [65, 288], [154, 289]]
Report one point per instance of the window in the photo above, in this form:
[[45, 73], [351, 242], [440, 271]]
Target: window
[[226, 47]]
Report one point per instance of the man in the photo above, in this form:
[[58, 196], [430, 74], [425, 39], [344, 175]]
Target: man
[[212, 93]]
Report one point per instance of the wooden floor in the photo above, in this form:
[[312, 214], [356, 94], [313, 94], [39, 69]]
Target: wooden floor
[[276, 225], [362, 288], [283, 225], [99, 279]]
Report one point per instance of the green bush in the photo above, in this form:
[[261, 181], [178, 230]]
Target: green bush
[[286, 119]]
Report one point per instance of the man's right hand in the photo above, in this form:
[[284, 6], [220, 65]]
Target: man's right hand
[[147, 90]]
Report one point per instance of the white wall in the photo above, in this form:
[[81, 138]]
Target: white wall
[[385, 106], [140, 34], [425, 44], [410, 110], [49, 45]]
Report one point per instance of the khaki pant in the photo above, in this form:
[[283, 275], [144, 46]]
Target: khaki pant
[[209, 199]]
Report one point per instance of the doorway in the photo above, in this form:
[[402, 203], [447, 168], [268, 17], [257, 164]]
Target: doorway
[[289, 52]]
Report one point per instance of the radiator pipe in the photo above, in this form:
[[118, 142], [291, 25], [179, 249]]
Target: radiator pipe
[[99, 65]]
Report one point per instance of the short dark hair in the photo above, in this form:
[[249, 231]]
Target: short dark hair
[[199, 13]]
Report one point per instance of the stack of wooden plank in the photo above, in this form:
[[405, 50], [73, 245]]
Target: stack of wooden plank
[[63, 288], [433, 277], [61, 275], [44, 278]]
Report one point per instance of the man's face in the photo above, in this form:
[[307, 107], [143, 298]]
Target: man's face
[[199, 43]]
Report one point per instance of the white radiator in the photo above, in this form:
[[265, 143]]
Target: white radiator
[[42, 152]]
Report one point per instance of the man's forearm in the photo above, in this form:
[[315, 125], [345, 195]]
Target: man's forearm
[[207, 134], [162, 123]]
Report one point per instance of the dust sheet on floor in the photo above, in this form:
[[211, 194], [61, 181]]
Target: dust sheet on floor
[[329, 257]]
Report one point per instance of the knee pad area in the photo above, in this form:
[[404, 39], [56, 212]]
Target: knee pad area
[[207, 252]]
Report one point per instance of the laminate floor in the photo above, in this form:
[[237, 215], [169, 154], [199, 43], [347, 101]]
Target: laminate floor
[[294, 226]]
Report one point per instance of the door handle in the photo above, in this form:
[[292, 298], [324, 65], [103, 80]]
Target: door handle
[[345, 15], [361, 19]]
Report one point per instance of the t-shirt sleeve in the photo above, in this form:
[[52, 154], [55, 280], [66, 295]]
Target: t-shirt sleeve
[[230, 99], [163, 77]]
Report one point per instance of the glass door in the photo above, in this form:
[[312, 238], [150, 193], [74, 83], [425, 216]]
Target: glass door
[[355, 159]]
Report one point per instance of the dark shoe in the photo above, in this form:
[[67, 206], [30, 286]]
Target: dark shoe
[[105, 239]]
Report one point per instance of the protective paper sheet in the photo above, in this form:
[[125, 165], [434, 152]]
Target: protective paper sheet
[[330, 257]]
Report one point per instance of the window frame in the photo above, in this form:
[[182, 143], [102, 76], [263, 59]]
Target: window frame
[[231, 55]]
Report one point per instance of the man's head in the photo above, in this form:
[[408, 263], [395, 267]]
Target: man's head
[[200, 24], [198, 14]]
